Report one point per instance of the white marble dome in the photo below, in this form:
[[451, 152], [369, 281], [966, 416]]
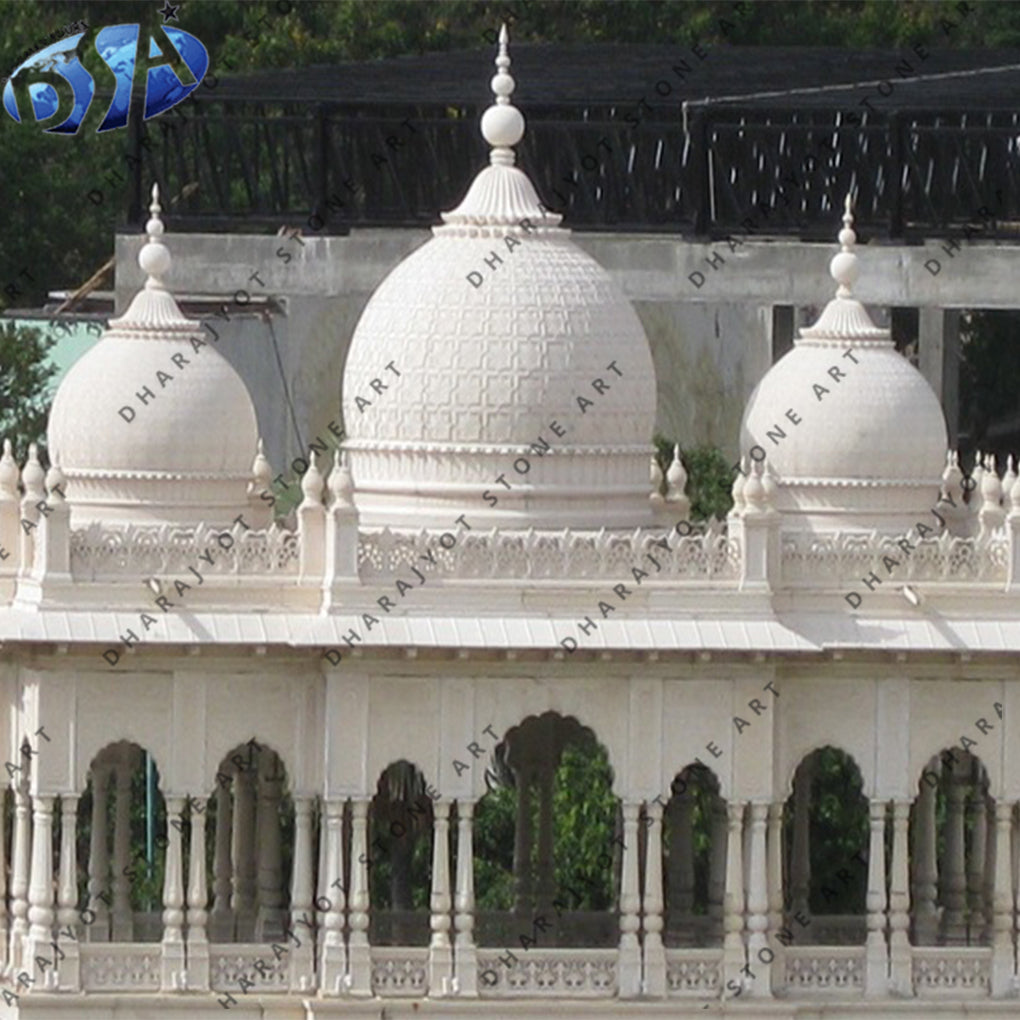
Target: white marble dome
[[870, 445], [491, 357], [182, 456]]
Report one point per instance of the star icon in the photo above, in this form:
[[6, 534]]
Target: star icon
[[169, 11]]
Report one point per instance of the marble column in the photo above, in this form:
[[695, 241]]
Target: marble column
[[301, 965], [925, 883], [221, 921], [1003, 957], [270, 915], [734, 957], [717, 865], [800, 851], [20, 866], [69, 967], [953, 890], [41, 914], [990, 866], [440, 902], [122, 919], [360, 959], [681, 854], [523, 902], [977, 860], [876, 953], [333, 952], [758, 904], [654, 953], [242, 901], [5, 933], [173, 965], [900, 961], [546, 884], [465, 952], [629, 966], [775, 865], [198, 900]]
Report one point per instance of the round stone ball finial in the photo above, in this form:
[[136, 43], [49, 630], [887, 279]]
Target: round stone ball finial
[[154, 258], [843, 267], [502, 123]]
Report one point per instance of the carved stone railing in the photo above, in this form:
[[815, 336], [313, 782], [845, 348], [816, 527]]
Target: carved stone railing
[[844, 558], [120, 967], [825, 969], [695, 973], [101, 553], [560, 555], [400, 972], [574, 973], [228, 964], [952, 972]]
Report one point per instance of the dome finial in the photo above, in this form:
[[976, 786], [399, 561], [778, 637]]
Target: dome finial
[[502, 123], [154, 258], [843, 267]]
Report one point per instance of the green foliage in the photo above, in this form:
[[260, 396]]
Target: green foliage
[[495, 825], [24, 400], [584, 814], [839, 830], [709, 477], [584, 817]]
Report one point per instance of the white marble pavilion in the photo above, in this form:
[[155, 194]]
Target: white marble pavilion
[[486, 578]]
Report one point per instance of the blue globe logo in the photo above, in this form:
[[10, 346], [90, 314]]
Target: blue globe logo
[[56, 76]]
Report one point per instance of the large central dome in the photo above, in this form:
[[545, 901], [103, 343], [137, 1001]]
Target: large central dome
[[500, 350]]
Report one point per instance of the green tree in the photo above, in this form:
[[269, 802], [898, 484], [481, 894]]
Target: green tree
[[24, 398], [709, 477]]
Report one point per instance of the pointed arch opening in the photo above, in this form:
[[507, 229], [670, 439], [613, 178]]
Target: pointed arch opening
[[952, 853], [548, 838], [826, 834], [694, 833], [121, 833], [400, 857], [249, 846]]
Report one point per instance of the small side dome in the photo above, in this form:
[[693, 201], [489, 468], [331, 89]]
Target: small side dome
[[853, 432], [153, 424]]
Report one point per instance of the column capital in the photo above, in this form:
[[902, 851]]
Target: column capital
[[735, 811], [653, 809]]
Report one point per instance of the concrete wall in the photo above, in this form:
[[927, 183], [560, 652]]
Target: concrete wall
[[711, 344]]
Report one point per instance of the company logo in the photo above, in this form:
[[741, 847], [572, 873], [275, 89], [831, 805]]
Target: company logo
[[54, 81]]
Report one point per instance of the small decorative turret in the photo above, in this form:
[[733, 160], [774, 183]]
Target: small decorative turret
[[9, 474], [676, 484], [33, 476], [737, 492], [1008, 480], [952, 478], [312, 485], [341, 484]]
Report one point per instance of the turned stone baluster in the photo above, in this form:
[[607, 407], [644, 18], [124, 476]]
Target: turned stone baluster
[[69, 967], [654, 953], [465, 953]]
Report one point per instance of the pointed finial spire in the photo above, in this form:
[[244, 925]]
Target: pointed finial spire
[[154, 258], [843, 267], [502, 123]]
